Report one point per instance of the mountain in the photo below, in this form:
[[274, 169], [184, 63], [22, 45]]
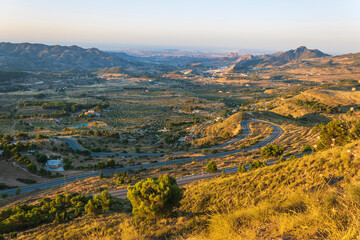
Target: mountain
[[231, 55], [276, 60], [41, 57]]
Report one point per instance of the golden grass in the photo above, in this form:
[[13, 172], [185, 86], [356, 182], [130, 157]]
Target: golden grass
[[314, 197], [213, 132]]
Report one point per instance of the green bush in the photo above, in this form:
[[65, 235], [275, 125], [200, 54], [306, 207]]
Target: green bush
[[26, 180], [211, 167], [271, 150], [153, 198], [4, 195], [241, 169], [257, 164]]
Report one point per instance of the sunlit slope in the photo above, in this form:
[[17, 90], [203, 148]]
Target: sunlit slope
[[219, 130], [328, 100]]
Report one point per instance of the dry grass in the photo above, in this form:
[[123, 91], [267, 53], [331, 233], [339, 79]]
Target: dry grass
[[213, 133]]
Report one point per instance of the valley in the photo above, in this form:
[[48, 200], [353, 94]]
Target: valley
[[264, 135]]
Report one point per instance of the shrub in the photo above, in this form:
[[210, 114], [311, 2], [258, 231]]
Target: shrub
[[211, 167], [241, 169], [271, 150], [307, 148], [4, 195], [257, 164], [26, 180], [153, 198]]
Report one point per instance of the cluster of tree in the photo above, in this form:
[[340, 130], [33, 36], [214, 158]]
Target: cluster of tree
[[21, 136], [41, 158], [169, 138], [13, 150], [271, 150], [122, 177], [256, 164], [102, 133], [60, 105], [60, 209], [26, 180], [64, 108], [153, 198], [67, 164], [110, 163], [317, 107], [338, 133]]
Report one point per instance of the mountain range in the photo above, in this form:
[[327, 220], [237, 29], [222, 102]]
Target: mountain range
[[278, 59], [41, 57]]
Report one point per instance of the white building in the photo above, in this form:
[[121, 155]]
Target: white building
[[54, 165]]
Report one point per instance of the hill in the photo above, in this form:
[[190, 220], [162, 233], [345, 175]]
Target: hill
[[318, 101], [278, 59], [41, 57], [314, 197]]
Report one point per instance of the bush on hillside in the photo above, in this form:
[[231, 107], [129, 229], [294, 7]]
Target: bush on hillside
[[211, 167], [152, 198], [271, 150]]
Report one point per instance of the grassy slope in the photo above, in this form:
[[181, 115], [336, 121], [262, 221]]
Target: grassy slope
[[213, 133], [315, 197], [329, 97]]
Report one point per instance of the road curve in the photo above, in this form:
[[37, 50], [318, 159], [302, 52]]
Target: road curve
[[277, 132]]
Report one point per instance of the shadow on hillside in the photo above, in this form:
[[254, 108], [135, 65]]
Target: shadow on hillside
[[313, 118], [308, 120]]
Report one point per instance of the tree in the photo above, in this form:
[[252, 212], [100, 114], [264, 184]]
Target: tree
[[101, 175], [93, 207], [100, 165], [104, 199], [257, 164], [18, 191], [4, 195], [211, 167], [271, 150], [110, 163], [31, 168], [119, 180], [153, 198], [241, 169], [335, 132]]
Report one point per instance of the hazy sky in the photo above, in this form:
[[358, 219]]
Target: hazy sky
[[329, 25]]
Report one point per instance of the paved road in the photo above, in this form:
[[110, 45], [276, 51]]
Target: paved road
[[72, 143], [181, 181], [275, 134]]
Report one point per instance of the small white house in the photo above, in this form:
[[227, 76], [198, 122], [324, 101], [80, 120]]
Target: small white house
[[53, 164]]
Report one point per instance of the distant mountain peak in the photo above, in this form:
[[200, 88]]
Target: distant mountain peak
[[278, 59]]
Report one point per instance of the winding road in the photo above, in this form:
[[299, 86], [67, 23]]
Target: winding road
[[277, 132]]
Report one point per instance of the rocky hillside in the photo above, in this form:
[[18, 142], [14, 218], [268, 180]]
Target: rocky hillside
[[41, 57], [276, 60]]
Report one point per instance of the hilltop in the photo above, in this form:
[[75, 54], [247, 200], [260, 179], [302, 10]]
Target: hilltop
[[276, 60]]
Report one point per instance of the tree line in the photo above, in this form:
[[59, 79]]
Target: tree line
[[62, 208], [317, 107]]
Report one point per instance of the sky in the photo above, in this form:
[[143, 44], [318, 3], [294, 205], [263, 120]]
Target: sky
[[332, 26]]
